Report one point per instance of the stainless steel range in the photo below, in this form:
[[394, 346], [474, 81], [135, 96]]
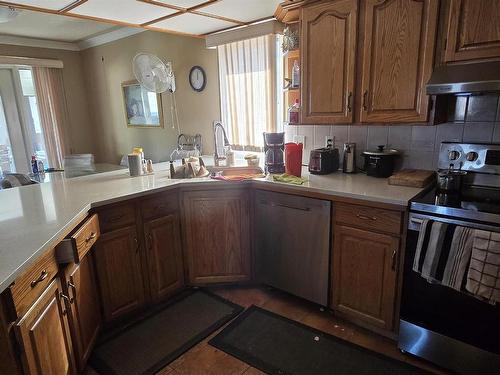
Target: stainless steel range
[[451, 328]]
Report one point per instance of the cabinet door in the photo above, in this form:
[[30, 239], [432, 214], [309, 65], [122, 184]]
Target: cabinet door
[[328, 38], [473, 30], [164, 256], [44, 334], [364, 275], [84, 308], [216, 230], [398, 52], [117, 256]]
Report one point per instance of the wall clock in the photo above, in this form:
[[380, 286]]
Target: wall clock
[[197, 78]]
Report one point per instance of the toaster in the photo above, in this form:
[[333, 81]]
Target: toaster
[[324, 160]]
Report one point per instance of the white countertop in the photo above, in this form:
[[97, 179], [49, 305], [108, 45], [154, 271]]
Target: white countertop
[[33, 218]]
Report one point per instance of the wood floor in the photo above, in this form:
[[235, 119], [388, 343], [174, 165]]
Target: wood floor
[[204, 359]]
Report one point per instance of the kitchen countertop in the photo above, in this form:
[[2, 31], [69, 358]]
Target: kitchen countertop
[[34, 218]]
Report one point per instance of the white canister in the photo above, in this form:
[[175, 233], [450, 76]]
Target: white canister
[[135, 165]]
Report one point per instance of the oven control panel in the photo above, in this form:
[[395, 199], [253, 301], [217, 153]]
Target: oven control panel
[[473, 157]]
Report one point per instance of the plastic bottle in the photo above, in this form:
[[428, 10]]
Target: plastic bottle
[[293, 113], [295, 74]]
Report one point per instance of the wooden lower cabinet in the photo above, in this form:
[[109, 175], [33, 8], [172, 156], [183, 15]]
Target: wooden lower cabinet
[[364, 274], [43, 333], [119, 272], [84, 313], [164, 256], [216, 226]]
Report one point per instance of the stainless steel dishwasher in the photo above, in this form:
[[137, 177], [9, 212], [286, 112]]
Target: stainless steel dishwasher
[[292, 244]]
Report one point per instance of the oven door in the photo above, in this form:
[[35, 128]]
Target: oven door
[[449, 328]]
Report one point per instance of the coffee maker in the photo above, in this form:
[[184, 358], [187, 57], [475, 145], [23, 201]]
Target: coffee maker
[[274, 147]]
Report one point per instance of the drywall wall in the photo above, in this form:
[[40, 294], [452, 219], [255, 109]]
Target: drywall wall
[[107, 66], [79, 128]]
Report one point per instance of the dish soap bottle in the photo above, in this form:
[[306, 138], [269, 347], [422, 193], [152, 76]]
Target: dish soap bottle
[[295, 75]]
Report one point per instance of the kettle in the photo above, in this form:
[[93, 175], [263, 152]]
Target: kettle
[[349, 164]]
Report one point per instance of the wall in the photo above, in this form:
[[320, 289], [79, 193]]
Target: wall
[[107, 66], [80, 129], [419, 144]]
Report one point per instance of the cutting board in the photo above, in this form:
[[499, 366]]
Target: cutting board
[[412, 177]]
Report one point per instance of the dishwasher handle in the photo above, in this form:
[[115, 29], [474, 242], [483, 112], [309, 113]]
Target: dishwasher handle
[[274, 204]]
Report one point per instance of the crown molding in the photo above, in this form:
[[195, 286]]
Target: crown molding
[[38, 43], [108, 37]]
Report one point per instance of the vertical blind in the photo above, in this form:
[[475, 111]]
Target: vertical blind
[[247, 71]]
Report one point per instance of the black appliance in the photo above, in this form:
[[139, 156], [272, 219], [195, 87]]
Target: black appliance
[[324, 160], [380, 162], [447, 327], [274, 149]]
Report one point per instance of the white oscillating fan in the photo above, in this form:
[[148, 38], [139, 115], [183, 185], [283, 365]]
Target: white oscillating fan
[[157, 76]]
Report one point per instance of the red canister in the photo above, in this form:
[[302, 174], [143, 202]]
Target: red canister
[[293, 158]]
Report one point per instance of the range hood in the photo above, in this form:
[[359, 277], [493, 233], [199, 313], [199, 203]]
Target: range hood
[[465, 78]]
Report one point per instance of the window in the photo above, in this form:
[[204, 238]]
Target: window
[[21, 133], [250, 74]]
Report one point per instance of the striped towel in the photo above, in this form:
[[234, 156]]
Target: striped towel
[[483, 278], [443, 253]]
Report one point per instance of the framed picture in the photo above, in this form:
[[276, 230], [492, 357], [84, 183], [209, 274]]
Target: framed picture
[[143, 108]]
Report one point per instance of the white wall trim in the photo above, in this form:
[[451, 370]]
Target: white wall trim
[[109, 37], [244, 32], [30, 61], [38, 43]]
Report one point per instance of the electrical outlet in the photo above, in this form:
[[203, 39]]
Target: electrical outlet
[[329, 140], [300, 139]]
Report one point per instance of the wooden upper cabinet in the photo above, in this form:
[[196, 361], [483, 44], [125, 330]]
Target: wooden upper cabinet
[[365, 275], [473, 30], [118, 263], [44, 335], [397, 60], [328, 49], [164, 256], [217, 235]]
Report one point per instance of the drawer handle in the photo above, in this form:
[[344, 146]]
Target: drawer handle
[[64, 296], [393, 260], [43, 275], [73, 288], [91, 237], [290, 207], [364, 217]]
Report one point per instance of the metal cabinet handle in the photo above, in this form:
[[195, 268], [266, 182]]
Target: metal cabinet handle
[[290, 207], [393, 260], [136, 245], [43, 275], [349, 102], [365, 97], [150, 239], [73, 288], [65, 297], [364, 217], [91, 237]]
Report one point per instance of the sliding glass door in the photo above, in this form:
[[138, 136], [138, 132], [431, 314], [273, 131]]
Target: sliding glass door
[[21, 135]]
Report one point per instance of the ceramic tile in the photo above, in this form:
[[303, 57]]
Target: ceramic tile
[[482, 108], [358, 134], [320, 133], [423, 138], [399, 137], [421, 159], [376, 136], [341, 134], [452, 132], [290, 131], [308, 132], [478, 132]]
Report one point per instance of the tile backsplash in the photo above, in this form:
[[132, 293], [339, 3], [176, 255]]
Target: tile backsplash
[[418, 144]]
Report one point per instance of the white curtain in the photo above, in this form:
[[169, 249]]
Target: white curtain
[[53, 112], [247, 71]]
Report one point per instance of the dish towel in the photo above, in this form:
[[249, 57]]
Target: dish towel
[[483, 278], [289, 179], [443, 253]]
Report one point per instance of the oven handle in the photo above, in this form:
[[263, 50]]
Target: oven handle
[[415, 220]]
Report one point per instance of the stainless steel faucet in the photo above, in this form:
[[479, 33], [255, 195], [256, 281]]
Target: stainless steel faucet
[[218, 157]]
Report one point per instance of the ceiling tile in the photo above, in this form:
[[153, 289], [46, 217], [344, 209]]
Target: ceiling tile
[[182, 3], [242, 10], [129, 11], [45, 4], [193, 24]]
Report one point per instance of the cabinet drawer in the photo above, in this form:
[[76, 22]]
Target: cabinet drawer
[[74, 248], [30, 285], [116, 217], [369, 217], [159, 205]]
